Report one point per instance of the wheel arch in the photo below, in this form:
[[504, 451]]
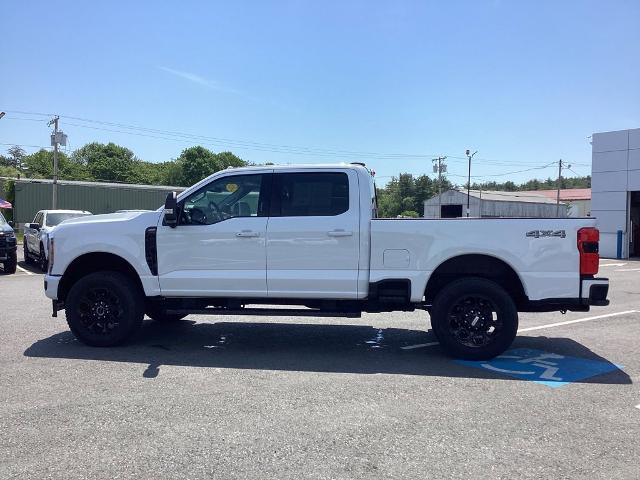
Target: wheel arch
[[94, 262], [476, 265]]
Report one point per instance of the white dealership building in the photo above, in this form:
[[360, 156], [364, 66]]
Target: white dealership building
[[615, 191]]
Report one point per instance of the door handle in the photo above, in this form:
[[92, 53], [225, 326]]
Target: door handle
[[339, 233], [247, 233]]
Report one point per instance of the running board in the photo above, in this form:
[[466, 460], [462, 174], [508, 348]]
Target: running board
[[276, 312]]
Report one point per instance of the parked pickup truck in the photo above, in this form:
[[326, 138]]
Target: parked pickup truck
[[36, 234], [308, 237]]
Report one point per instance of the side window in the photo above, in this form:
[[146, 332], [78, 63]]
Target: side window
[[224, 198], [318, 194], [38, 218]]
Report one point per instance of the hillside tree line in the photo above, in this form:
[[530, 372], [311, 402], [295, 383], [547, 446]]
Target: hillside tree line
[[114, 163]]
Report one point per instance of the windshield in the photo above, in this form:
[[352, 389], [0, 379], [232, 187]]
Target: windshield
[[2, 220], [54, 219]]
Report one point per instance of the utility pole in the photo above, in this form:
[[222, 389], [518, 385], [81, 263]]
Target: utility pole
[[469, 180], [55, 140], [560, 167], [439, 168]]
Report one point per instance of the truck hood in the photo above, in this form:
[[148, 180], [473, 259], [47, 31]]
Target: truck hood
[[108, 218], [6, 229], [110, 224]]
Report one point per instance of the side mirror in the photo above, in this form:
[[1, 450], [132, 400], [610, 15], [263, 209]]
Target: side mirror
[[171, 210], [35, 226], [10, 222]]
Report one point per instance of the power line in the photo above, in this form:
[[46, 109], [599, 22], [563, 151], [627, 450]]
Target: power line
[[23, 145], [249, 145]]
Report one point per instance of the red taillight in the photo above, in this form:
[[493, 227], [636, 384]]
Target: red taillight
[[588, 238]]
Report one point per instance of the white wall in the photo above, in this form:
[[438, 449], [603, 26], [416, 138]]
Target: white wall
[[615, 171], [579, 208]]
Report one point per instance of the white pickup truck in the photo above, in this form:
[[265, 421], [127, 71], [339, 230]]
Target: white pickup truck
[[308, 237]]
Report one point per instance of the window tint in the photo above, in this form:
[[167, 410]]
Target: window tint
[[310, 194], [224, 198]]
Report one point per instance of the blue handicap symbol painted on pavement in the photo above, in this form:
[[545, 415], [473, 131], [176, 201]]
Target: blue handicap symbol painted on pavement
[[547, 368]]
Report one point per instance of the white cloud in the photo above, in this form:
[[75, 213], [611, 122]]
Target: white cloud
[[194, 78]]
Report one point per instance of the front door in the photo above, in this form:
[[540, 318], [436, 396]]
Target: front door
[[218, 247], [313, 236]]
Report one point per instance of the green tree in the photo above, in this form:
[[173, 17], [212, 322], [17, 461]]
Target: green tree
[[196, 163], [16, 154], [40, 165], [406, 193], [108, 162]]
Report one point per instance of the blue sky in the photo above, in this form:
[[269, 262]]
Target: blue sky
[[524, 83]]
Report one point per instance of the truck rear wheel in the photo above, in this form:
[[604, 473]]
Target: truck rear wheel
[[474, 319], [104, 309]]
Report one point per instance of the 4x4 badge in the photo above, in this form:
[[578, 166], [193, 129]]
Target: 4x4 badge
[[546, 233]]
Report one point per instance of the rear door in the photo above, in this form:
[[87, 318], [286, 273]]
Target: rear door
[[313, 236]]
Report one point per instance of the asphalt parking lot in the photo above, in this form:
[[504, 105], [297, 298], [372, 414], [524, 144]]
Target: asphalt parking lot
[[375, 397]]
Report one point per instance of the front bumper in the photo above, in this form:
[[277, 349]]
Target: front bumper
[[51, 283], [8, 247]]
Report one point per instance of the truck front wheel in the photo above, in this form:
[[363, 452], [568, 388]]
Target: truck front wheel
[[104, 309], [474, 319]]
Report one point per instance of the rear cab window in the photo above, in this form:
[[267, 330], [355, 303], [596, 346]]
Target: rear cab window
[[310, 194]]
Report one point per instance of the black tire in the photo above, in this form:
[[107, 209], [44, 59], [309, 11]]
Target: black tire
[[11, 264], [104, 309], [25, 251], [159, 314], [42, 260], [474, 319]]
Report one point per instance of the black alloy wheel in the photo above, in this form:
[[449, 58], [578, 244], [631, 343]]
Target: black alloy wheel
[[474, 318], [104, 308]]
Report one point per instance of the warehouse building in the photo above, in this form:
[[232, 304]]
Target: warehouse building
[[32, 195], [615, 186], [578, 200], [491, 204]]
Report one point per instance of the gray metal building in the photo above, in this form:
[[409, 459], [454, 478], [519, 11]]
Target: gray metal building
[[32, 195], [453, 203]]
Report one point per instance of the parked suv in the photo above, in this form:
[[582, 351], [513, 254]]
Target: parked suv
[[8, 249], [36, 233]]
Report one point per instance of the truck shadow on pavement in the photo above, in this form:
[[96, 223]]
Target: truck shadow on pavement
[[298, 347]]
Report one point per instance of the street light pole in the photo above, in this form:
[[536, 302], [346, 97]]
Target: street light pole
[[469, 179]]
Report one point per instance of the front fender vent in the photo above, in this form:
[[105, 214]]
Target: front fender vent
[[151, 249]]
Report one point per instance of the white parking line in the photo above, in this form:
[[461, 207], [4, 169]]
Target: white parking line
[[24, 270], [569, 322], [628, 270], [539, 327], [420, 345], [613, 265], [638, 406]]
